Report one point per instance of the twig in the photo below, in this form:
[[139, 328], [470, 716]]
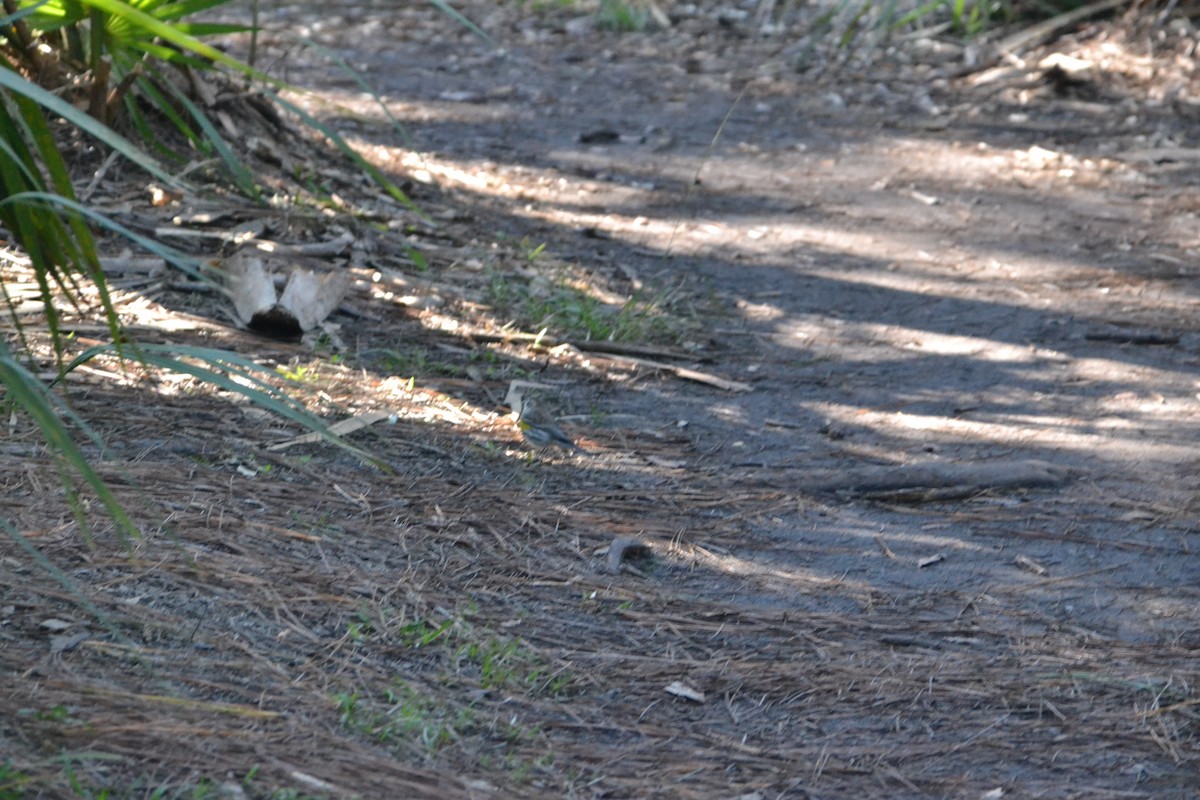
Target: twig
[[887, 551], [97, 176], [688, 374], [587, 346], [1044, 31], [1064, 578], [977, 734]]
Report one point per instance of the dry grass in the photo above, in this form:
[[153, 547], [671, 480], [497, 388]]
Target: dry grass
[[449, 629], [294, 622]]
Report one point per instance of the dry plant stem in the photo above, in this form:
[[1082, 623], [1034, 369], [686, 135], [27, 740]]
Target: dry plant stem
[[252, 56], [586, 345], [703, 162], [98, 91], [117, 96]]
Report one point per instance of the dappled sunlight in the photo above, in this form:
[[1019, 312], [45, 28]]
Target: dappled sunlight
[[1112, 438], [929, 206], [848, 536], [857, 229], [916, 341], [720, 425], [363, 108], [804, 579]]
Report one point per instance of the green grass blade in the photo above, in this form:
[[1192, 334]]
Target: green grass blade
[[203, 29], [44, 409], [150, 26], [61, 577], [55, 14], [366, 87], [19, 86], [374, 172], [149, 90], [22, 12], [185, 8], [183, 263], [212, 137], [58, 248], [444, 7], [233, 373], [67, 241]]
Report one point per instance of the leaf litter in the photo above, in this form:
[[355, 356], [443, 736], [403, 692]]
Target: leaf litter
[[453, 625]]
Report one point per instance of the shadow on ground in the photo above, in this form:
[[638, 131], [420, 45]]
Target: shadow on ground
[[894, 289]]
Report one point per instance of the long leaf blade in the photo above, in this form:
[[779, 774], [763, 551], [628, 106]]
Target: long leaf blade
[[20, 86]]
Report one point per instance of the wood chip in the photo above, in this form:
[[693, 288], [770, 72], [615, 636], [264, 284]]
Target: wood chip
[[60, 644], [54, 624], [925, 482], [681, 689], [1025, 562]]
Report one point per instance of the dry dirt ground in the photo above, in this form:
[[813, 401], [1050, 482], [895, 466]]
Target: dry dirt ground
[[906, 409]]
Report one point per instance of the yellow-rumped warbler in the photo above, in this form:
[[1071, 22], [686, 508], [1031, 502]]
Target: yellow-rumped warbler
[[541, 433], [544, 434]]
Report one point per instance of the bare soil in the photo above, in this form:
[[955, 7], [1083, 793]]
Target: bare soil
[[910, 426]]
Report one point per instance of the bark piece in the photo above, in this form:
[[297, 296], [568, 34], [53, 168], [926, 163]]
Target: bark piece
[[929, 482]]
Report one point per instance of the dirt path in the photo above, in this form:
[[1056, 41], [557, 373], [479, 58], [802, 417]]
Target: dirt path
[[929, 288], [905, 281]]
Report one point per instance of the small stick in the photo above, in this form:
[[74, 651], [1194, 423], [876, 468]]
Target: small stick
[[887, 551]]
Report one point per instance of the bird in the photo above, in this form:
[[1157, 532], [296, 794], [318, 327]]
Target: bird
[[541, 434], [537, 431]]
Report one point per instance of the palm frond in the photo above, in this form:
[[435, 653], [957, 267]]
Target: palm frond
[[47, 412]]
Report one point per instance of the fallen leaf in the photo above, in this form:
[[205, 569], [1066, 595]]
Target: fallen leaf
[[59, 644], [680, 689]]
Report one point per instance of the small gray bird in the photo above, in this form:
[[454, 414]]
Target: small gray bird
[[540, 433], [537, 431]]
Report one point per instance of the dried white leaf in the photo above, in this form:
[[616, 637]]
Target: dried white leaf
[[310, 298], [306, 301], [250, 286], [59, 644], [680, 689]]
